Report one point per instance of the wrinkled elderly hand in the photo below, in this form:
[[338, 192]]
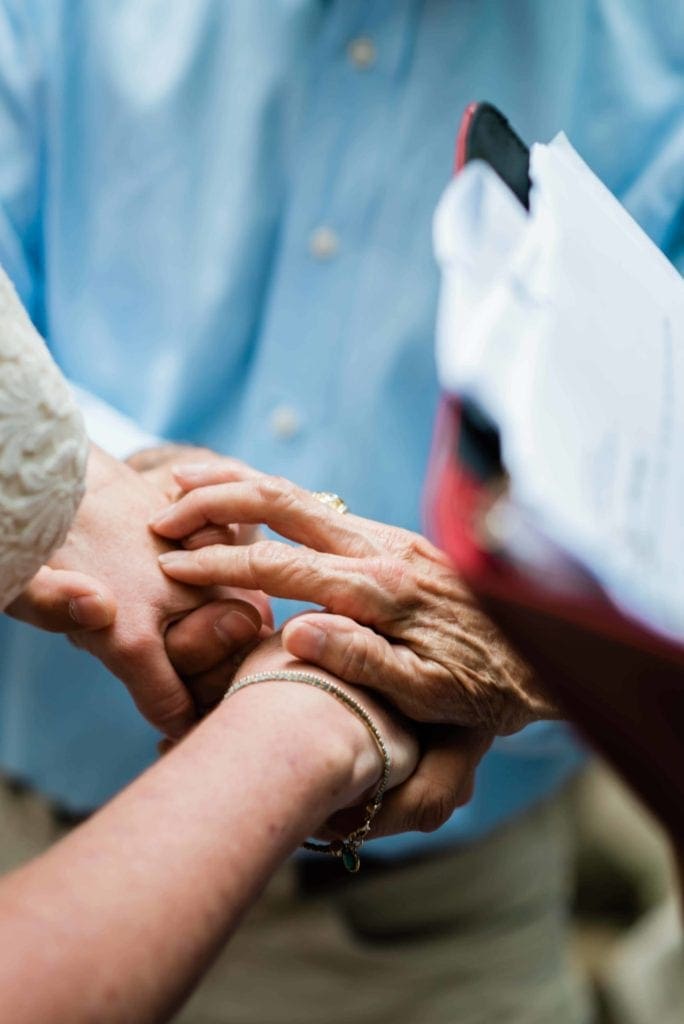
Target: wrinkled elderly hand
[[445, 775], [381, 584]]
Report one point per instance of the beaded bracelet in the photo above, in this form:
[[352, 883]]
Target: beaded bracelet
[[346, 849]]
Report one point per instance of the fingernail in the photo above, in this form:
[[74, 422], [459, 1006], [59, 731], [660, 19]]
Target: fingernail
[[310, 641], [193, 471], [87, 610], [171, 558], [234, 628]]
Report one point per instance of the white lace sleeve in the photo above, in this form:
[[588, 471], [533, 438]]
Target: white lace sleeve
[[43, 449]]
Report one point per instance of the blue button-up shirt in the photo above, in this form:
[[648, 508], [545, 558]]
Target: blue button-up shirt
[[219, 214]]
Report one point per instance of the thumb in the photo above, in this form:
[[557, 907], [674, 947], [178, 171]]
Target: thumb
[[61, 601], [350, 651]]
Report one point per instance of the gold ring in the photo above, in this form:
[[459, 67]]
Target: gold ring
[[331, 500]]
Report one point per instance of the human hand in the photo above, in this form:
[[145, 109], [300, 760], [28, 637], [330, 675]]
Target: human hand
[[433, 767], [60, 601], [205, 646], [158, 465], [403, 589], [401, 742], [109, 540], [381, 584], [208, 644]]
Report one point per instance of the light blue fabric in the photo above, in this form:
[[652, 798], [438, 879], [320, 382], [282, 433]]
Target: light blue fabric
[[163, 165]]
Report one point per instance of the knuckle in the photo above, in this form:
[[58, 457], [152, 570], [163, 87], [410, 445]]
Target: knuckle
[[138, 647], [169, 711], [274, 490], [427, 695], [435, 808], [407, 544], [387, 570], [356, 660], [262, 557], [392, 577], [420, 548], [205, 558]]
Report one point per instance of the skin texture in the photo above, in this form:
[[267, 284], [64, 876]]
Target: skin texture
[[120, 919], [60, 601], [397, 618], [450, 664], [153, 613], [206, 648]]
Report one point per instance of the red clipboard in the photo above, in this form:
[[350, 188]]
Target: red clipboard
[[622, 683]]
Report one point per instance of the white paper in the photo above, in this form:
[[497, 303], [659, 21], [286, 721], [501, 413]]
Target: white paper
[[567, 327]]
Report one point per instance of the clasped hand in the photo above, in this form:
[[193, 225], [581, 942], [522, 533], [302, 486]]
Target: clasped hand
[[173, 645], [396, 618]]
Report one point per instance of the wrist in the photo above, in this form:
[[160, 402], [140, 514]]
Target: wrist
[[334, 748]]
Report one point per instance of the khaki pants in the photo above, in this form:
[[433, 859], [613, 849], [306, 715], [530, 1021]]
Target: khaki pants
[[475, 936]]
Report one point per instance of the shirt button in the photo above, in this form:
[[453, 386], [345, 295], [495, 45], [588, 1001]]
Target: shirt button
[[361, 52], [323, 243], [285, 422]]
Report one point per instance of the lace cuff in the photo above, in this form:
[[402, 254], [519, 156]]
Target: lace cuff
[[43, 449]]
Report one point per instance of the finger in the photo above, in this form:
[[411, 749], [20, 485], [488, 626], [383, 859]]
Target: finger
[[419, 687], [209, 688], [287, 509], [358, 654], [247, 533], [208, 635], [443, 781], [134, 652], [219, 471], [165, 702], [158, 692], [256, 598], [235, 533], [349, 586], [209, 535], [347, 649], [61, 601]]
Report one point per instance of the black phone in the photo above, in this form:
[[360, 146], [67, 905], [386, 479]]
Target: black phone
[[485, 134]]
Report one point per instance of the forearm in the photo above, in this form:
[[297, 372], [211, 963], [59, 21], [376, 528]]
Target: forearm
[[119, 919]]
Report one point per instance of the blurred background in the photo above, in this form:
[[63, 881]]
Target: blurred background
[[626, 912]]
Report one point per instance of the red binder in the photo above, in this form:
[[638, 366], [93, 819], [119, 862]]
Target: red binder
[[620, 681]]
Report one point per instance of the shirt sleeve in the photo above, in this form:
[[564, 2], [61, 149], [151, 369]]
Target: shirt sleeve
[[43, 449]]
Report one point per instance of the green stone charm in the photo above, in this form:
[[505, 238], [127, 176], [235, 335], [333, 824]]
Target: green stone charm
[[350, 859]]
